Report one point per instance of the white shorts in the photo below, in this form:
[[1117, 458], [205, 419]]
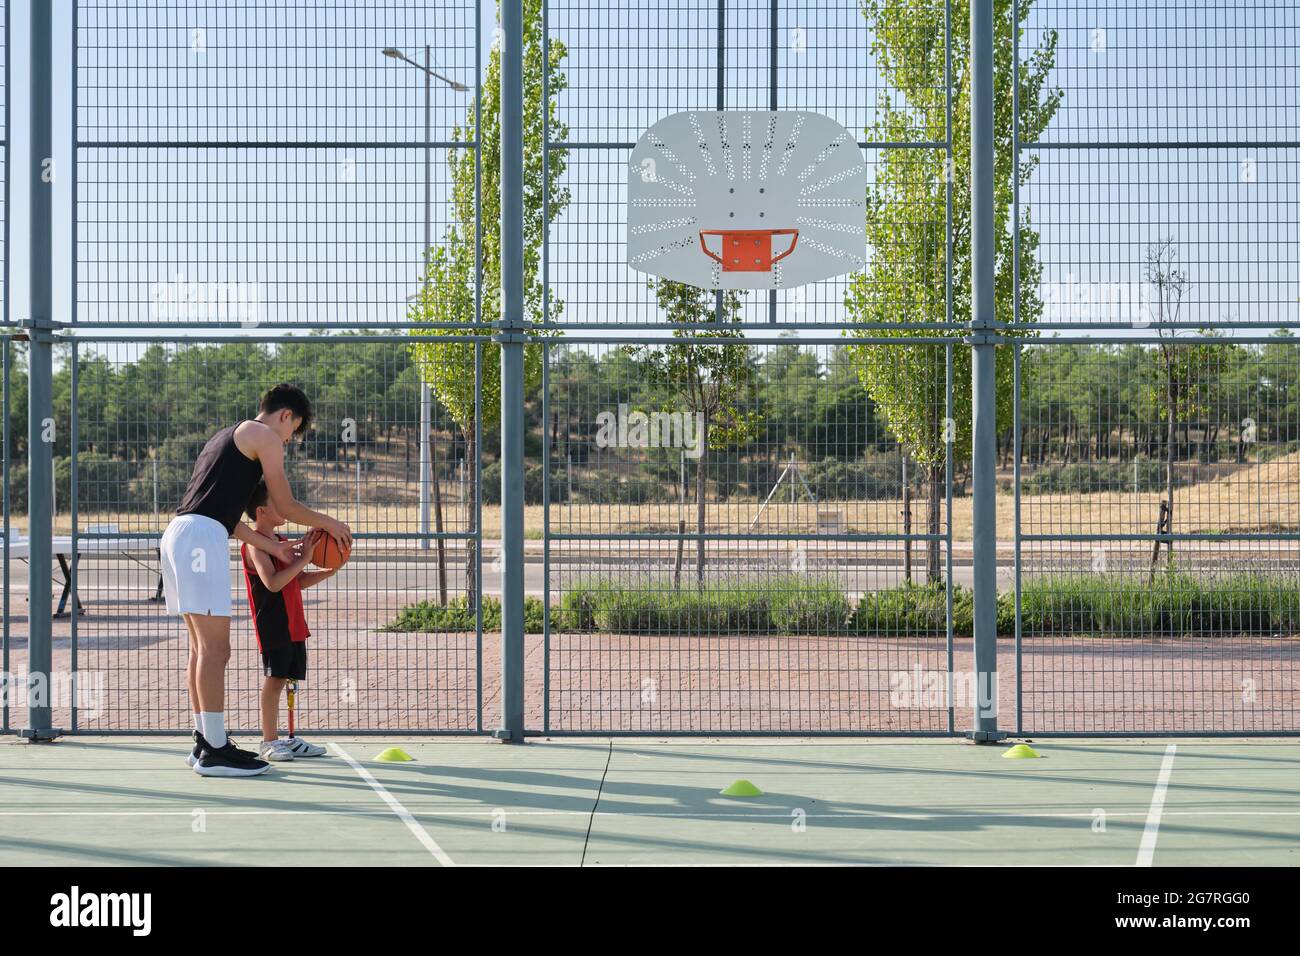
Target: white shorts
[[195, 554]]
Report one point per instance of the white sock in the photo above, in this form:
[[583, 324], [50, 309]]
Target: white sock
[[214, 728], [198, 722]]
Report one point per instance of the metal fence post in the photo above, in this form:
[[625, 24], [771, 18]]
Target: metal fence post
[[1016, 450], [773, 20], [1016, 357], [4, 640], [718, 304], [426, 394], [74, 609], [40, 421], [547, 451], [5, 680], [984, 438], [510, 335]]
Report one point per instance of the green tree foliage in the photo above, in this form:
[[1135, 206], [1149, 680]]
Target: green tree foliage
[[1090, 408], [905, 279], [147, 419], [446, 296], [454, 269]]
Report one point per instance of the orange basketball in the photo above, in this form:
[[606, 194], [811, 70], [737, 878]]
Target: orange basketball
[[328, 554]]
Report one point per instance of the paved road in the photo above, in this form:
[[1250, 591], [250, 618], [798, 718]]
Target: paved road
[[101, 576], [416, 573]]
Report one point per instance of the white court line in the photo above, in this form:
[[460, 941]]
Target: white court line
[[420, 833], [1147, 851], [782, 815]]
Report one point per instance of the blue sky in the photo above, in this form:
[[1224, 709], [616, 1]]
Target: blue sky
[[334, 233]]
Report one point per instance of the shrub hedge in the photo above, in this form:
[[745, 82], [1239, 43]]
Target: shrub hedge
[[1175, 604]]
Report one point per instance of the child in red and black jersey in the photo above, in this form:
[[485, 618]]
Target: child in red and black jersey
[[275, 600]]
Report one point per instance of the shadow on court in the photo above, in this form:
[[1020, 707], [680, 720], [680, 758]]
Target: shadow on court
[[133, 801]]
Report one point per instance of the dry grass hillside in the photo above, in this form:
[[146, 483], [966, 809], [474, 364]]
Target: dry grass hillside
[[380, 498]]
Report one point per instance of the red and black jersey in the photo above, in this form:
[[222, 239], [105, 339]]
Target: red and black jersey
[[278, 618]]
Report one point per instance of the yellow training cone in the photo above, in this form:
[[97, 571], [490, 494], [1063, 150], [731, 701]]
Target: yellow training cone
[[1021, 752], [394, 755], [742, 788]]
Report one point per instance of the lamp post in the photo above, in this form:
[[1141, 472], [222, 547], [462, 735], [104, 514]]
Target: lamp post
[[426, 399]]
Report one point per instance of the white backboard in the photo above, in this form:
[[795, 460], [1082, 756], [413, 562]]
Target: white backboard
[[747, 199]]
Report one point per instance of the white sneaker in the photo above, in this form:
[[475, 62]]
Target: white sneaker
[[276, 750], [300, 748]]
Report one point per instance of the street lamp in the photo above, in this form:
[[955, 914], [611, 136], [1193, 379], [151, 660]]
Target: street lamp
[[426, 399], [399, 55]]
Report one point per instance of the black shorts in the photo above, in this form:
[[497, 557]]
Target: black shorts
[[287, 661]]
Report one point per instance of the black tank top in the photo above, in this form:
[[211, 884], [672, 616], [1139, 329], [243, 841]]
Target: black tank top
[[223, 481]]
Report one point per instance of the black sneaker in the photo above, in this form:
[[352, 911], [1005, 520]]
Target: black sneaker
[[228, 761], [200, 743], [240, 750]]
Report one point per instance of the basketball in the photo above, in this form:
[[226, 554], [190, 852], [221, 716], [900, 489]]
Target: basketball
[[327, 554]]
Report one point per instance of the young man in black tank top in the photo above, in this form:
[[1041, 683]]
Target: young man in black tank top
[[196, 557]]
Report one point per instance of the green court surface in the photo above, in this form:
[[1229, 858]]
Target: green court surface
[[656, 802]]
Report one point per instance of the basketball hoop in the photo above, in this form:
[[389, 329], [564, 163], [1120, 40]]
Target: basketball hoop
[[747, 199], [747, 250]]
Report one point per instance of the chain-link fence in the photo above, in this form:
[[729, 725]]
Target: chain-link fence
[[753, 512], [1152, 442], [375, 662], [1156, 539], [760, 556]]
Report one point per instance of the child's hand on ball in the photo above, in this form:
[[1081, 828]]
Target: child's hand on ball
[[307, 545]]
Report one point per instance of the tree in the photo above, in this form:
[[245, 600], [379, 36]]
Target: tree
[[789, 382], [1279, 389], [906, 211], [1180, 371], [17, 402], [706, 373], [447, 358], [845, 425]]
